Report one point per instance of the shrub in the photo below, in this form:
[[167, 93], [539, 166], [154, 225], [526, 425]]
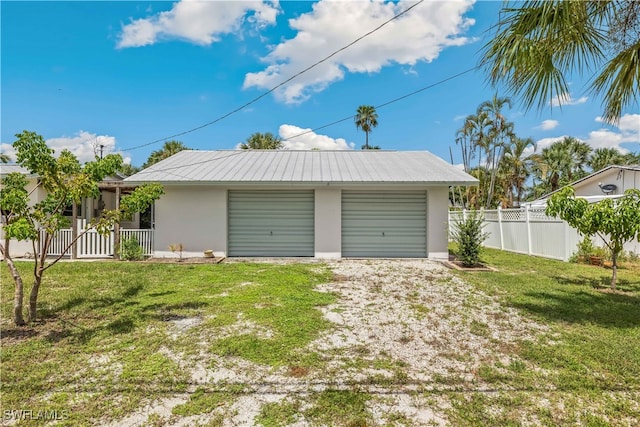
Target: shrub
[[131, 250], [468, 233], [585, 250]]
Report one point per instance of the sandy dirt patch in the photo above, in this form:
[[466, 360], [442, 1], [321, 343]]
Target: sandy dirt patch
[[401, 329]]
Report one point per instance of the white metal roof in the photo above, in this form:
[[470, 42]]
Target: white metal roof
[[288, 166]]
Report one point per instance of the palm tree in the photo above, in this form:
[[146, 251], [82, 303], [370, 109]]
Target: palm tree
[[464, 139], [562, 162], [366, 119], [128, 169], [539, 43], [516, 168], [500, 131], [603, 157], [262, 141], [475, 128], [632, 158], [168, 149], [580, 153]]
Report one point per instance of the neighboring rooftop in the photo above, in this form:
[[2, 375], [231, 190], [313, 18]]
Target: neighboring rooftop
[[6, 169], [588, 177], [278, 166]]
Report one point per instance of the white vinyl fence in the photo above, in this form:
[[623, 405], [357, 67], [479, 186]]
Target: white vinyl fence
[[93, 245], [531, 231]]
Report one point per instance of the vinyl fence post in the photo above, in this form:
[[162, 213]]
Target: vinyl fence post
[[500, 227], [528, 221]]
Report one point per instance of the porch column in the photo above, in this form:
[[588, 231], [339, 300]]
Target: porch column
[[116, 229]]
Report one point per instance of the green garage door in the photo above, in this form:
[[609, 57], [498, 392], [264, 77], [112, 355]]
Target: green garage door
[[271, 223], [384, 224]]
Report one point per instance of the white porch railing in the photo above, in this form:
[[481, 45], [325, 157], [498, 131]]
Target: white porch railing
[[93, 245]]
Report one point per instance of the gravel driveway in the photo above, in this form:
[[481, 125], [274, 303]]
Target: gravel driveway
[[407, 332]]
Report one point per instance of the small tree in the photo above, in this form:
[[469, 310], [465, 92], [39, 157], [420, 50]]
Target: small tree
[[66, 182], [469, 234], [614, 221]]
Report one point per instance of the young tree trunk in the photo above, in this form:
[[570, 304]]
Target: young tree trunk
[[33, 296], [38, 272], [19, 293], [614, 267]]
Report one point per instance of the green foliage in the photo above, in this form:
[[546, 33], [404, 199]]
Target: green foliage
[[614, 221], [539, 43], [262, 141], [140, 199], [131, 250], [468, 234], [366, 118], [168, 149], [66, 181], [14, 202], [584, 250]]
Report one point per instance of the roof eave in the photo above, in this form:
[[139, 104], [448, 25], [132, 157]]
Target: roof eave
[[312, 183]]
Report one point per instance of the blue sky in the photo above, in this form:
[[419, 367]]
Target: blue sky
[[124, 74]]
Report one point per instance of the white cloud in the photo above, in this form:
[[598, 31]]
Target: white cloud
[[566, 99], [548, 124], [627, 131], [418, 36], [310, 140], [84, 145], [542, 144], [197, 21]]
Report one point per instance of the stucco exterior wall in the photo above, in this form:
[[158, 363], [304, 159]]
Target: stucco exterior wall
[[195, 216], [437, 223], [623, 179]]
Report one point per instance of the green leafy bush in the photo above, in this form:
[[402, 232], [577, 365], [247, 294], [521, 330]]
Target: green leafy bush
[[585, 250], [468, 233], [131, 250]]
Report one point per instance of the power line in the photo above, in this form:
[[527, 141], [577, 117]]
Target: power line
[[384, 104], [277, 86], [400, 98]]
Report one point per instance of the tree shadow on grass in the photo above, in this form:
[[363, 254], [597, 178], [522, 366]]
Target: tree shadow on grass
[[166, 312], [600, 283], [603, 309], [106, 301]]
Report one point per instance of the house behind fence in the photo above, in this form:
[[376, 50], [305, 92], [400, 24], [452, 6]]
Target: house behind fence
[[530, 231]]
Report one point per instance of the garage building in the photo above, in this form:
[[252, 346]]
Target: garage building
[[324, 204]]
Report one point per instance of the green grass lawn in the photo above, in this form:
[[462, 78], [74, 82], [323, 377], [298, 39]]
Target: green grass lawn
[[123, 311], [103, 347], [590, 357]]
